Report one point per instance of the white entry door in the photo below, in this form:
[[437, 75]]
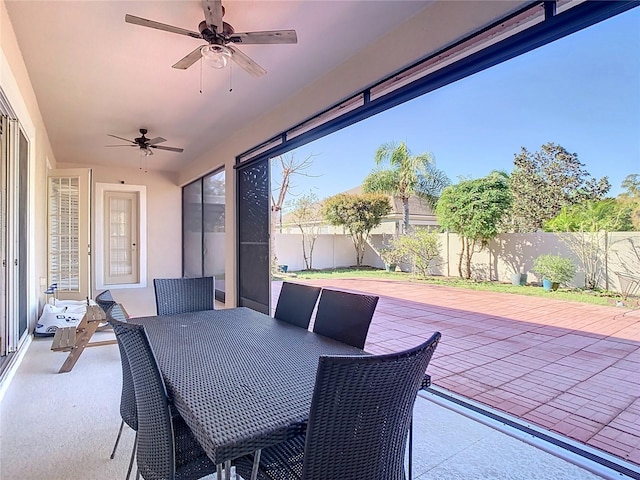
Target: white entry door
[[69, 230]]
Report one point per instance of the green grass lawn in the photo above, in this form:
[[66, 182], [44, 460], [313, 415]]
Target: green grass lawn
[[570, 294]]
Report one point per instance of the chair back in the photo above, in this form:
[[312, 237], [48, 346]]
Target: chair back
[[360, 414], [128, 410], [345, 316], [117, 312], [296, 303], [105, 300], [155, 452], [181, 295]]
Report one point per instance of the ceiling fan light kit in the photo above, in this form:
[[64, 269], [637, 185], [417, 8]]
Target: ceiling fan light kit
[[215, 56]]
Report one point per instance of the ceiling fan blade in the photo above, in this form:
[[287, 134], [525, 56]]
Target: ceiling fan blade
[[120, 145], [160, 26], [171, 149], [213, 13], [266, 37], [188, 60], [153, 141], [120, 138], [245, 62]]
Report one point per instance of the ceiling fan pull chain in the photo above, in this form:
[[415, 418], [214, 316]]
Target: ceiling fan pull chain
[[230, 80], [201, 74]]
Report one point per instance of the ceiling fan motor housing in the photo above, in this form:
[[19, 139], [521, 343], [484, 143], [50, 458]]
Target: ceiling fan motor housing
[[213, 37]]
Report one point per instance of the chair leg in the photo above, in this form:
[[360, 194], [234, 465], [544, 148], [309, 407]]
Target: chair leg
[[256, 465], [133, 455], [410, 448], [113, 453]]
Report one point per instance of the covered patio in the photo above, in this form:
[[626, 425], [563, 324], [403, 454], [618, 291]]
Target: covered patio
[[73, 74]]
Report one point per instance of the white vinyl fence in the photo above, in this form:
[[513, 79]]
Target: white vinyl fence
[[619, 255]]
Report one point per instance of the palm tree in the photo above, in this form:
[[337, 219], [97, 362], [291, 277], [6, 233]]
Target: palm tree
[[402, 175]]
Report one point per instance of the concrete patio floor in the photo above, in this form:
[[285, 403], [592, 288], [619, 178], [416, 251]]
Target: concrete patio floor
[[570, 368]]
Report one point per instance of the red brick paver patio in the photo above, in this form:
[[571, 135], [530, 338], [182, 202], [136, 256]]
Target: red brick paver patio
[[569, 367]]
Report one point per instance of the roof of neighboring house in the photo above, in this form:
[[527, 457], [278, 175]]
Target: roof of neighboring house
[[419, 210], [418, 207]]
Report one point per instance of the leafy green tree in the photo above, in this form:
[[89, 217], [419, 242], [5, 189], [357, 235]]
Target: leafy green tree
[[359, 214], [592, 216], [590, 221], [545, 181], [402, 174], [631, 198], [474, 209], [631, 184]]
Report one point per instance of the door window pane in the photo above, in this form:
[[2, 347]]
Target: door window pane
[[214, 231], [192, 229], [121, 237]]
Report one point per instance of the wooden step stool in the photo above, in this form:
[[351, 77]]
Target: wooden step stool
[[75, 339]]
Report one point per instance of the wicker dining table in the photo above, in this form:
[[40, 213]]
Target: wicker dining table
[[241, 380]]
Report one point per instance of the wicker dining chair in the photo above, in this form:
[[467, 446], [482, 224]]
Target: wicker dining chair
[[358, 422], [166, 448], [344, 316], [181, 295], [105, 300], [128, 411], [296, 303]]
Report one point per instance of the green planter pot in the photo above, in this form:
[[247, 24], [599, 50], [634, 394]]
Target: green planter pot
[[519, 279], [549, 286], [390, 267]]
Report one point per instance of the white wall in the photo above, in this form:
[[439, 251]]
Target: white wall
[[508, 253], [330, 251], [16, 85]]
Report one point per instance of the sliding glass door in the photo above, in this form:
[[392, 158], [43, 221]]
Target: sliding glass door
[[203, 230], [14, 240]]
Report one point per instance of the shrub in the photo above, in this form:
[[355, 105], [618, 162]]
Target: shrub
[[554, 268], [420, 247]]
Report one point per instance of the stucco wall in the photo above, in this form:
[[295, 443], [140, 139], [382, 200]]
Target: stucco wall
[[507, 254]]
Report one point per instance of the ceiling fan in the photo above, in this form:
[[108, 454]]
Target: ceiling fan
[[145, 144], [221, 38]]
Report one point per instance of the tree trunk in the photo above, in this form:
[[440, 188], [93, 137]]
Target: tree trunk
[[312, 243], [273, 260], [304, 249], [354, 238], [405, 214], [460, 259], [470, 248], [360, 250]]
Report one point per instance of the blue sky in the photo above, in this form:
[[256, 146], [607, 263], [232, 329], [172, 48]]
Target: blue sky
[[582, 92]]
